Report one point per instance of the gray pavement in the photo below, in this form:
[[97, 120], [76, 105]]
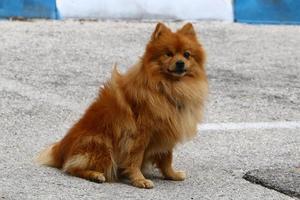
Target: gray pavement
[[50, 71]]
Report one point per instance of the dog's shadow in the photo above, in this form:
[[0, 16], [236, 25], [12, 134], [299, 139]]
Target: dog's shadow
[[153, 175]]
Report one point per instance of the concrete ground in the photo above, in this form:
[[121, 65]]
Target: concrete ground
[[50, 72]]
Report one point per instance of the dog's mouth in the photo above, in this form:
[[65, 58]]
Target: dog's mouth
[[177, 72]]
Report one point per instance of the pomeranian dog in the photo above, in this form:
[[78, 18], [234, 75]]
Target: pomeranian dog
[[140, 116]]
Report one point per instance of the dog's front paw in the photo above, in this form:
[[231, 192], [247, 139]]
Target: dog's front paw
[[177, 176], [143, 183]]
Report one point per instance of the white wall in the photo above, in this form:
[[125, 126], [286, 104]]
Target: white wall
[[147, 9]]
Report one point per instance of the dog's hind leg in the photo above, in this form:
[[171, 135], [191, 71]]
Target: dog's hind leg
[[90, 175], [95, 164]]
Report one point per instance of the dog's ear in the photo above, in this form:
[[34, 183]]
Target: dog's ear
[[188, 30], [159, 30]]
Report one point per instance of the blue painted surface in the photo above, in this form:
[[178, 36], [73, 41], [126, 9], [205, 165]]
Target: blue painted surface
[[29, 9], [267, 11]]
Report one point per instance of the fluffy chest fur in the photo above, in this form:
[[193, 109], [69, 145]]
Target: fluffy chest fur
[[168, 112], [173, 129], [175, 116]]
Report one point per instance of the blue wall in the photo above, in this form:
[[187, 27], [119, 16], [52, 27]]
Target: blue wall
[[267, 11], [29, 9]]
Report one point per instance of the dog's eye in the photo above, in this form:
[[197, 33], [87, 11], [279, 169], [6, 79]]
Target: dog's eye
[[186, 54], [169, 54]]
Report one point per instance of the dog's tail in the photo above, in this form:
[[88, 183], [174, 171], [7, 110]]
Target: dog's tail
[[49, 156]]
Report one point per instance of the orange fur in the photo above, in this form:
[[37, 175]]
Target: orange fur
[[140, 116]]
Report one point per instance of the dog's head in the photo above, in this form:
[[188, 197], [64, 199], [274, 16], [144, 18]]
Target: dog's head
[[174, 55]]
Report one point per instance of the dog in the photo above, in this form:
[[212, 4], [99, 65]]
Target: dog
[[140, 116]]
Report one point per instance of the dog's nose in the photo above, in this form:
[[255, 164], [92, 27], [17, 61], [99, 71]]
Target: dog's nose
[[179, 65]]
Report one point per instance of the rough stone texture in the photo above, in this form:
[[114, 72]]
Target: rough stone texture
[[286, 181], [50, 71]]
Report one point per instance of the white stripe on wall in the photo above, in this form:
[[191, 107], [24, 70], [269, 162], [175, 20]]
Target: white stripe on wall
[[147, 9]]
